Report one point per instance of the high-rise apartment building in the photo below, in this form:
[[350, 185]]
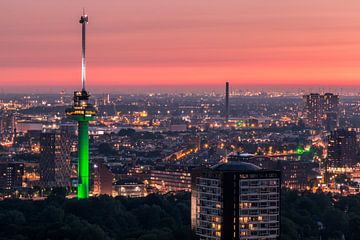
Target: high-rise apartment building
[[330, 111], [7, 128], [342, 149], [235, 200], [313, 109], [321, 110], [331, 102], [55, 158]]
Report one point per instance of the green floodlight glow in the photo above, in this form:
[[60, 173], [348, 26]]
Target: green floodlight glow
[[300, 150]]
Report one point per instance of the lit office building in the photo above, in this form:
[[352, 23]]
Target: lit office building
[[55, 148], [170, 179], [235, 200]]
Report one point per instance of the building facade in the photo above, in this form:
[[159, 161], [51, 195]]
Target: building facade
[[7, 128], [322, 110], [342, 149], [331, 111], [171, 179], [55, 149], [102, 178], [11, 175], [235, 200], [131, 189], [313, 109], [295, 174]]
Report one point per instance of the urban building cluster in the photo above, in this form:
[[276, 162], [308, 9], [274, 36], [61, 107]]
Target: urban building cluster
[[233, 153]]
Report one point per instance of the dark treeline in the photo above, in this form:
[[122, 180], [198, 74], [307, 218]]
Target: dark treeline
[[150, 218], [311, 216], [304, 216]]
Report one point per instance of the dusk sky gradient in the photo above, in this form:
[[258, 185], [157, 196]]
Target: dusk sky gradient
[[180, 42]]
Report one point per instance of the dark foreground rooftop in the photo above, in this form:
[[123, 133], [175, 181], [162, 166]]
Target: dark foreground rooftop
[[235, 166]]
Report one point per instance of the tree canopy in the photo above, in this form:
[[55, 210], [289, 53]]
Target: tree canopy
[[304, 216], [150, 218]]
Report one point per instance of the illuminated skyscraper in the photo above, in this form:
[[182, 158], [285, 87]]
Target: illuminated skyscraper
[[82, 112], [55, 158], [321, 110], [235, 200], [342, 149], [331, 111], [7, 128], [313, 110]]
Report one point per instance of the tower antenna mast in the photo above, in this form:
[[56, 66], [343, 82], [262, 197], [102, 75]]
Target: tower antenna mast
[[83, 20]]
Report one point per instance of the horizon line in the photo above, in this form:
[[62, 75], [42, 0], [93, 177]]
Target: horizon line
[[178, 88]]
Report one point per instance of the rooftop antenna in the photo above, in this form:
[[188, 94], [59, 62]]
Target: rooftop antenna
[[83, 21]]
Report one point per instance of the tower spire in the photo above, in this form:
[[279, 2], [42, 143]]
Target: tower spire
[[83, 21]]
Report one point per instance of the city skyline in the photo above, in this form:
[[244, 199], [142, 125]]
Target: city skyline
[[183, 43], [196, 120]]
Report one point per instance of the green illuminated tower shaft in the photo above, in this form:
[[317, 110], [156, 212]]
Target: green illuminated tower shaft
[[83, 164], [82, 112], [83, 116]]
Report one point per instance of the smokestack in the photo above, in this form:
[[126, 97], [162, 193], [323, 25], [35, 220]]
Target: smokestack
[[227, 109]]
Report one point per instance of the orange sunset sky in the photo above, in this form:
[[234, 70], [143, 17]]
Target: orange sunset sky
[[180, 42]]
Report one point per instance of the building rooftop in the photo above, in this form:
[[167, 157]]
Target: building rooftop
[[235, 166], [238, 154]]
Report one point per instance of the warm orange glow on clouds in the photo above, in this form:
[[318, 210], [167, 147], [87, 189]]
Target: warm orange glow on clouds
[[177, 42]]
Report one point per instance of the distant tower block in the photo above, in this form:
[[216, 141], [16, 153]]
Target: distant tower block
[[62, 97], [82, 112], [227, 107]]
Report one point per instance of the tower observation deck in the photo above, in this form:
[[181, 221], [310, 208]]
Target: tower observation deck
[[82, 112]]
